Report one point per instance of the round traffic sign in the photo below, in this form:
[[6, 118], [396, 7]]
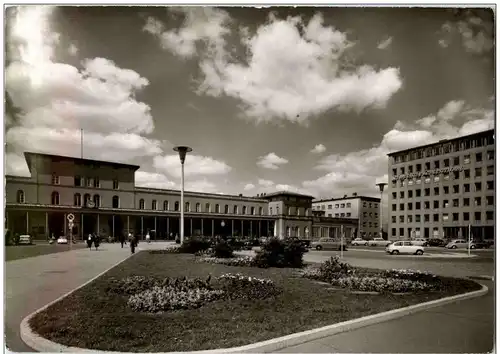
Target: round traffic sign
[[90, 204], [70, 217], [222, 223]]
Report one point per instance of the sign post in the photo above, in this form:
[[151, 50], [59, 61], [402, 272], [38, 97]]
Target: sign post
[[70, 217], [468, 247]]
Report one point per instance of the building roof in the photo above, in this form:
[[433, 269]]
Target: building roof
[[190, 193], [30, 155], [292, 194], [369, 199], [485, 132]]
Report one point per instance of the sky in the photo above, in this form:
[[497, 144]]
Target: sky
[[309, 100]]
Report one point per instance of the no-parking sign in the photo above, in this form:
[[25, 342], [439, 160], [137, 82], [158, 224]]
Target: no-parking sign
[[70, 217]]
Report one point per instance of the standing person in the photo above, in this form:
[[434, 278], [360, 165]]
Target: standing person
[[122, 239], [132, 243], [96, 241], [148, 238], [89, 242]]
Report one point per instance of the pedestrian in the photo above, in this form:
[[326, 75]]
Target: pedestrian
[[122, 239], [96, 241], [132, 241], [89, 242], [148, 238]]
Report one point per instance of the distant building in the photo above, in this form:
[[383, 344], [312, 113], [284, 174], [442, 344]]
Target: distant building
[[438, 190], [365, 210], [103, 198]]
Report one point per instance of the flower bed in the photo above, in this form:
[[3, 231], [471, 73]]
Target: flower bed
[[244, 261]]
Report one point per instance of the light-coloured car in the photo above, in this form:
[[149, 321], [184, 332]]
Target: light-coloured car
[[359, 242], [25, 240], [404, 247], [453, 244], [379, 241], [62, 240], [328, 244], [420, 242]]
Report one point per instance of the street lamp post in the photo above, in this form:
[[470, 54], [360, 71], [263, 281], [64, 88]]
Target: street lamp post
[[381, 187], [182, 150]]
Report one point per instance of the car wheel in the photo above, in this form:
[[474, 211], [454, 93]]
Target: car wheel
[[472, 247], [453, 247], [319, 248], [395, 252], [419, 252]]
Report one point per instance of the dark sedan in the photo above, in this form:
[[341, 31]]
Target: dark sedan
[[436, 242]]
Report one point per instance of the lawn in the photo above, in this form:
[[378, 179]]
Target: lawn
[[25, 251], [93, 318]]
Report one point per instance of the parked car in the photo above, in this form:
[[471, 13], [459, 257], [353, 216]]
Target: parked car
[[479, 244], [420, 242], [25, 240], [436, 242], [328, 244], [358, 241], [305, 243], [62, 240], [404, 247], [379, 241], [454, 244]]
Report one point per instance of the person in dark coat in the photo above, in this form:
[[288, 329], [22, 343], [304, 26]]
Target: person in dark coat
[[133, 243], [89, 241], [97, 241], [122, 239]]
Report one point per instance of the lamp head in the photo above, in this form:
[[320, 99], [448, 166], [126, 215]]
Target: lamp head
[[381, 186], [182, 150]]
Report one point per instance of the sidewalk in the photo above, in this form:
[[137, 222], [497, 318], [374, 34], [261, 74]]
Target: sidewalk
[[31, 283], [463, 327]]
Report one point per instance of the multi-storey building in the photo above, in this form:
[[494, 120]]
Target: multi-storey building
[[365, 210], [102, 198], [438, 190]]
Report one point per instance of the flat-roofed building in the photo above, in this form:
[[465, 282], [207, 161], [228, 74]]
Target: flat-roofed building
[[438, 190]]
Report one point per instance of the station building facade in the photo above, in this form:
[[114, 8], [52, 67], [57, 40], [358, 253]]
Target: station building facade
[[438, 190], [103, 198]]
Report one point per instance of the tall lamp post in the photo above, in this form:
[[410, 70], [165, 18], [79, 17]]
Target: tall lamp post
[[381, 187], [182, 150]]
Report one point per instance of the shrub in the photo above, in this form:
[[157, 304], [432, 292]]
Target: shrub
[[131, 285], [223, 250], [281, 253], [334, 268], [381, 284], [194, 245], [167, 250], [245, 261], [241, 287]]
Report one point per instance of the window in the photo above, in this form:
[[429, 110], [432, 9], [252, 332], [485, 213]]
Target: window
[[436, 190], [427, 192], [446, 162], [456, 189], [116, 202], [401, 207], [436, 164], [479, 157], [467, 158], [427, 180], [477, 201], [455, 217], [394, 195], [187, 207], [337, 215], [456, 174], [401, 194], [490, 170], [467, 174], [336, 206], [436, 217], [270, 211], [55, 179], [426, 218], [86, 199], [217, 208], [490, 200], [446, 176], [342, 205], [261, 210], [477, 172], [97, 200], [77, 199], [198, 207], [348, 215], [419, 180], [427, 165], [410, 169], [436, 178], [329, 206], [252, 211], [446, 190], [477, 186], [436, 204], [207, 207], [410, 206], [226, 209], [446, 203], [244, 210], [417, 205], [393, 184], [97, 183], [402, 169], [393, 218], [489, 185], [466, 216], [116, 185], [456, 203], [489, 215], [401, 218], [394, 171], [20, 196], [410, 194], [418, 192], [393, 207], [54, 198], [417, 218], [402, 183], [401, 232], [342, 215], [419, 167], [427, 205], [466, 188], [141, 204], [477, 216], [445, 217], [466, 202], [393, 231], [165, 205], [348, 205], [90, 182], [78, 181], [490, 155], [176, 206], [410, 218], [235, 210]]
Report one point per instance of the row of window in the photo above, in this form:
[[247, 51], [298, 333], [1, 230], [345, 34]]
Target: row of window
[[455, 203], [444, 217], [344, 205], [490, 155], [340, 215], [79, 181], [287, 211], [444, 148], [455, 189], [478, 172], [466, 188]]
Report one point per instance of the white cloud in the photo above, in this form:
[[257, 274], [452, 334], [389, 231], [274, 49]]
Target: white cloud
[[314, 52], [72, 50], [318, 149], [194, 165], [265, 182], [271, 161], [385, 43], [249, 187], [359, 171], [57, 100]]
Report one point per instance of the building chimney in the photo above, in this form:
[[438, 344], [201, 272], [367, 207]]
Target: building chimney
[[240, 195], [345, 196], [355, 194]]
